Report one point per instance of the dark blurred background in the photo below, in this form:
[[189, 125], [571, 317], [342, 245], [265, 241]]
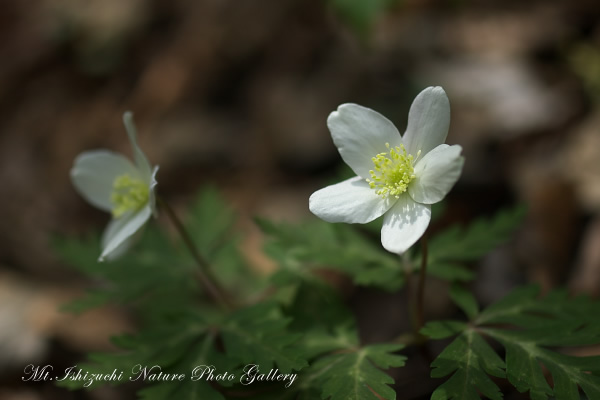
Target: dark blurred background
[[236, 94]]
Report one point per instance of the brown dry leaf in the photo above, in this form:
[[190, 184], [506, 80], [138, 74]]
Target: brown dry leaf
[[30, 318], [586, 277], [581, 161]]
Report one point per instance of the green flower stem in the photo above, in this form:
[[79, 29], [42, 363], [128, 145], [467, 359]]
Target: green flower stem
[[204, 274], [420, 317], [408, 266]]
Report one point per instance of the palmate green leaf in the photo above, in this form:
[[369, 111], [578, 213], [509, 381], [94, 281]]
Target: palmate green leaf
[[210, 221], [309, 383], [356, 374], [157, 274], [319, 342], [523, 308], [309, 297], [524, 360], [528, 327], [180, 390], [339, 369], [463, 299], [318, 244], [349, 371], [455, 246], [555, 321], [170, 349], [193, 387], [287, 394], [139, 278], [443, 329], [468, 356], [258, 335]]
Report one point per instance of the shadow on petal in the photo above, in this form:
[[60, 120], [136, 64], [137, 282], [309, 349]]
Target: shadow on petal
[[404, 224]]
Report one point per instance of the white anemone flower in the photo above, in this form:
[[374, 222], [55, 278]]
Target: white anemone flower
[[111, 182], [398, 177]]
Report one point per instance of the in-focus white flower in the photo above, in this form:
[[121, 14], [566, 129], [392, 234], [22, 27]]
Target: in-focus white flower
[[110, 182], [399, 177]]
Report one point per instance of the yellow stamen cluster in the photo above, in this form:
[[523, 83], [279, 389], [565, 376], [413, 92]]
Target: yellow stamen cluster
[[128, 195], [393, 171]]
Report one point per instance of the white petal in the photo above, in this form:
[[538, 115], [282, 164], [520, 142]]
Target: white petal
[[428, 121], [360, 133], [121, 249], [152, 189], [436, 173], [122, 229], [94, 172], [404, 224], [140, 158], [113, 227], [350, 201]]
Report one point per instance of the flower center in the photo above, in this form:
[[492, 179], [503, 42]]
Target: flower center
[[393, 171], [128, 194]]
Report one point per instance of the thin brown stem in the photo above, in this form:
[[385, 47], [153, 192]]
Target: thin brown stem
[[203, 274], [420, 318]]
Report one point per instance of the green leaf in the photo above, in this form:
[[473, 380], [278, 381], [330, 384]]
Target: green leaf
[[210, 221], [307, 298], [513, 307], [157, 275], [180, 390], [340, 368], [465, 300], [258, 335], [554, 321], [321, 245], [443, 329], [456, 245], [528, 327], [450, 272], [93, 298], [319, 341], [173, 348], [134, 278], [315, 343], [200, 354], [468, 356], [355, 375]]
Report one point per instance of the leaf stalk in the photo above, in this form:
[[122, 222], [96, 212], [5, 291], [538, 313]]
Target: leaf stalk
[[204, 274]]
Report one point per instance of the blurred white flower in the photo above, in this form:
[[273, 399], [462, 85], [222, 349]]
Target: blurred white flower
[[399, 177], [110, 182]]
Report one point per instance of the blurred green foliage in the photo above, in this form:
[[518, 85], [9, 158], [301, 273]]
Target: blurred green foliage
[[361, 15], [180, 329], [296, 322]]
